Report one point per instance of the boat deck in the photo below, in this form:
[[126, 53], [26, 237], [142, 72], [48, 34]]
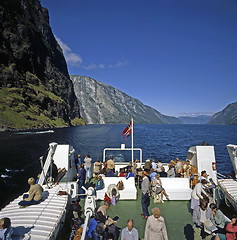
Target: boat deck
[[41, 221], [176, 214]]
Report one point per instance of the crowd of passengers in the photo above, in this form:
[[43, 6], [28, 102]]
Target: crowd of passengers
[[209, 221]]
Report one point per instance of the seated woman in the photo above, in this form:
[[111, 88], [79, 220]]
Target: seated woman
[[97, 166], [157, 187], [122, 173], [171, 172], [34, 196], [100, 183], [231, 229], [219, 217], [163, 173], [113, 193]]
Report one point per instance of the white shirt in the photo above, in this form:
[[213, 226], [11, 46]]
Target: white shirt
[[196, 193], [203, 217], [153, 165]]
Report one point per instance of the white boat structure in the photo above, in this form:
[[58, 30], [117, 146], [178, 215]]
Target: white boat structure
[[44, 220], [227, 187]]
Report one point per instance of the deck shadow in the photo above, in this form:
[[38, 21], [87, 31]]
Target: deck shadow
[[20, 231], [189, 207], [45, 195], [188, 232]]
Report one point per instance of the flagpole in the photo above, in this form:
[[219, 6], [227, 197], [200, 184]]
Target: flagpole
[[132, 137]]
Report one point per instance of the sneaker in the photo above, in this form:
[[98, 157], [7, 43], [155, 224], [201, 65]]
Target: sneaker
[[162, 201], [168, 198]]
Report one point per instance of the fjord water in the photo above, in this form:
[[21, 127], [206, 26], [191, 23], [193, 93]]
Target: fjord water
[[20, 151]]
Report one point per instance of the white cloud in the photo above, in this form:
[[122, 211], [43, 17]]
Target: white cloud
[[71, 58], [94, 66], [119, 64]]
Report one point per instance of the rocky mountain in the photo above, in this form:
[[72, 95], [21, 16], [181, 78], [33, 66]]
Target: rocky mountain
[[35, 87], [101, 103], [202, 119], [228, 116]]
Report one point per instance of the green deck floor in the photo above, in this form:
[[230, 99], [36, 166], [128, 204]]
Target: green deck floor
[[177, 217]]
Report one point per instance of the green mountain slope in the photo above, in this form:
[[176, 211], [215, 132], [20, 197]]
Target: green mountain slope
[[228, 116]]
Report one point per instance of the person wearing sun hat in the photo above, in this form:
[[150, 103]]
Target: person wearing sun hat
[[34, 196]]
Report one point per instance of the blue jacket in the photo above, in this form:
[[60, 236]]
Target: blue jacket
[[130, 174], [100, 184], [82, 174], [92, 226]]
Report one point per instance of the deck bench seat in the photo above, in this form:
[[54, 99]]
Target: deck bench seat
[[129, 191], [177, 188]]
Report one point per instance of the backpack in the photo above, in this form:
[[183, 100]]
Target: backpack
[[78, 234], [120, 185]]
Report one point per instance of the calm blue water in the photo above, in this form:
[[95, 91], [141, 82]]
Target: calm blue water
[[19, 154]]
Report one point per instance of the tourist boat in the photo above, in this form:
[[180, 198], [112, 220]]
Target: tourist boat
[[227, 187], [176, 211], [44, 220]]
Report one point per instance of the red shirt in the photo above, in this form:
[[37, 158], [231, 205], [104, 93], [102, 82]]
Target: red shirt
[[231, 230], [122, 174]]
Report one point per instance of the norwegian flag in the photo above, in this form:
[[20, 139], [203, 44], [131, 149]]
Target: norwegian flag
[[127, 131]]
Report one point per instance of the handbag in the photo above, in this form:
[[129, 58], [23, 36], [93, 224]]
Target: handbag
[[157, 198], [120, 185]]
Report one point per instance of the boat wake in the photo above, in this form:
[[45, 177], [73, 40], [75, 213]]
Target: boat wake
[[33, 133]]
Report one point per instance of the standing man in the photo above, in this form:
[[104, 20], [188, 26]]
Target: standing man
[[129, 233], [87, 162], [187, 168], [197, 193], [178, 167], [78, 161], [145, 197], [81, 178], [110, 164], [153, 165]]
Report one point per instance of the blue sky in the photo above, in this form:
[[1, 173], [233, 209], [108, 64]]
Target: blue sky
[[173, 55]]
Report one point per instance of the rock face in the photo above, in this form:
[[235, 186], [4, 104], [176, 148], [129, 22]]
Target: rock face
[[228, 116], [101, 103], [35, 87]]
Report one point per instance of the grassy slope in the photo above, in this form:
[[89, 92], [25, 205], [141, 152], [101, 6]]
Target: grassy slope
[[16, 112]]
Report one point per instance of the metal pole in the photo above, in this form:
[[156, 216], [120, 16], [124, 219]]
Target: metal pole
[[132, 138], [85, 226], [104, 155]]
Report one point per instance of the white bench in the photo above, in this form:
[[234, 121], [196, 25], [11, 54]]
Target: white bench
[[129, 191], [177, 188]]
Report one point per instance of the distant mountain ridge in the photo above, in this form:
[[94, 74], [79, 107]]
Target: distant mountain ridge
[[101, 104], [228, 116], [202, 119]]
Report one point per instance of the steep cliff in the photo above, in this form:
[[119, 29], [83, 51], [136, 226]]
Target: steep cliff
[[228, 116], [101, 103], [35, 87]]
